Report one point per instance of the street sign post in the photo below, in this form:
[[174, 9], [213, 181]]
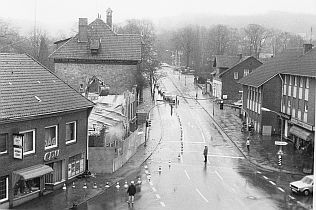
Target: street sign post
[[280, 143]]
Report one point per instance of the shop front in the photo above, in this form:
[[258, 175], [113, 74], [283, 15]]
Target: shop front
[[28, 183], [76, 165], [303, 143]]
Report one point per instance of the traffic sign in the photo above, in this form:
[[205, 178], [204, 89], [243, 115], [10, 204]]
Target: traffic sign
[[280, 152], [280, 143]]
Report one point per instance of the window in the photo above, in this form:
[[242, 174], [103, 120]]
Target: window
[[285, 79], [295, 81], [28, 142], [235, 75], [305, 106], [246, 72], [3, 143], [75, 165], [307, 83], [51, 137], [301, 82], [4, 188], [291, 80], [71, 132]]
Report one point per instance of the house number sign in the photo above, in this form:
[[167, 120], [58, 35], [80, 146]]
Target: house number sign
[[51, 155]]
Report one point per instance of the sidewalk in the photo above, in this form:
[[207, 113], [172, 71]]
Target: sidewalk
[[263, 151], [64, 199]]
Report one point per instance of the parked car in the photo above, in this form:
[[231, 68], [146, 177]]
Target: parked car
[[304, 185]]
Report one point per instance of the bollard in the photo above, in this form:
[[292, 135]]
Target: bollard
[[107, 185], [84, 186], [149, 177], [73, 185], [139, 181], [125, 185], [179, 156], [159, 169], [64, 187], [169, 164], [95, 186], [117, 185]]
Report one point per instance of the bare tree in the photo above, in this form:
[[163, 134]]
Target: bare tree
[[256, 37]]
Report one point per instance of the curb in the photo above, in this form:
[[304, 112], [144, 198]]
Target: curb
[[119, 179]]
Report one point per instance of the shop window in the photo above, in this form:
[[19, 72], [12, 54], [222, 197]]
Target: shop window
[[4, 188], [71, 131], [235, 75], [51, 137], [24, 187], [3, 143], [28, 142], [75, 165], [56, 175]]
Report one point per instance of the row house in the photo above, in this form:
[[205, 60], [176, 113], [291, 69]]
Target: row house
[[43, 130], [285, 86]]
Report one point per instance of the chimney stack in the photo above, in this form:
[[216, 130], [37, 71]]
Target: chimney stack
[[109, 17], [83, 30], [307, 47]]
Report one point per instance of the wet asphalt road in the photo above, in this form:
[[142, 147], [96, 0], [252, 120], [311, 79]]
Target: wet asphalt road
[[226, 181]]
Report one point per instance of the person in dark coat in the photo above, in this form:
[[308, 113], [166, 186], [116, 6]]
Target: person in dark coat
[[131, 190], [205, 153]]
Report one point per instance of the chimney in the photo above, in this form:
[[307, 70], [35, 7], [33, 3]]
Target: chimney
[[307, 47], [83, 30], [109, 17]]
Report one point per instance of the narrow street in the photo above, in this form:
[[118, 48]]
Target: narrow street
[[175, 176]]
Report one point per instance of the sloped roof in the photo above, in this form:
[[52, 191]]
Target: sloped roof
[[238, 64], [306, 65], [112, 46], [28, 89], [274, 66], [225, 61]]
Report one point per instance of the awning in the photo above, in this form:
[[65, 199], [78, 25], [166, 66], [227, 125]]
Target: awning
[[33, 171], [301, 133]]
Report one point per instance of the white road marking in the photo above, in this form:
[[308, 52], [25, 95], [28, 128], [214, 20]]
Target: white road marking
[[219, 175], [197, 190], [280, 189], [162, 204], [226, 156], [272, 183], [187, 142], [186, 173], [154, 189], [157, 196], [258, 172], [265, 177], [291, 197]]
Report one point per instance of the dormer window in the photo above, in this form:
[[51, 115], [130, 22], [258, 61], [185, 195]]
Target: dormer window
[[94, 46]]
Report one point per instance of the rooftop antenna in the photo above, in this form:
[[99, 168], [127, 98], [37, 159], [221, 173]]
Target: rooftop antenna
[[311, 39]]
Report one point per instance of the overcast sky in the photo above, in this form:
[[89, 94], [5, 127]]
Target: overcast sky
[[58, 11]]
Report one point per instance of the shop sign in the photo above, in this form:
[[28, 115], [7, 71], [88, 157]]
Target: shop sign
[[18, 146], [18, 153], [51, 155], [304, 125]]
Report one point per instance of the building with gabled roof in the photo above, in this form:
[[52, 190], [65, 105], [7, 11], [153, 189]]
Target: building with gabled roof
[[225, 82], [287, 89], [43, 130], [98, 51]]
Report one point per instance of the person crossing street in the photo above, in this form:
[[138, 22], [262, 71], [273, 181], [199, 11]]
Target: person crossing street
[[205, 153], [248, 144], [131, 190]]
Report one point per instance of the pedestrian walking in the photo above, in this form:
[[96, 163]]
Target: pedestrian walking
[[205, 153], [248, 144], [131, 190]]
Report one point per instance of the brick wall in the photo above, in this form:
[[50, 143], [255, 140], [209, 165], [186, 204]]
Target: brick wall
[[118, 77]]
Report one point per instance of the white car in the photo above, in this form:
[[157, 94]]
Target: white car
[[304, 185]]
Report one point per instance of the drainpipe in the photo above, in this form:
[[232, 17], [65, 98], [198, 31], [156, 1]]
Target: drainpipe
[[285, 121]]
